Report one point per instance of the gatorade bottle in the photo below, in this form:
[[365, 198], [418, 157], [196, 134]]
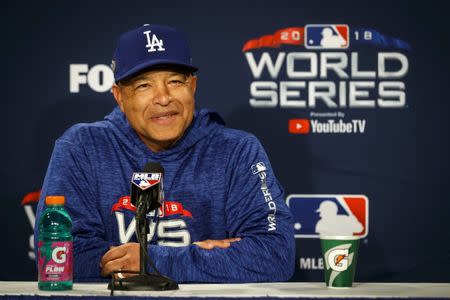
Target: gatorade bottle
[[55, 259]]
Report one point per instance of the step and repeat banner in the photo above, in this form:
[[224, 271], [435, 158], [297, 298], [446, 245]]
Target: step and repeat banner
[[348, 99]]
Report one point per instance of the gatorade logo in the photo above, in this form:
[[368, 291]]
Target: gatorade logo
[[338, 259], [299, 126], [59, 255]]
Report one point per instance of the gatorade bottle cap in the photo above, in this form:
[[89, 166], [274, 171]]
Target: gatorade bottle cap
[[54, 200]]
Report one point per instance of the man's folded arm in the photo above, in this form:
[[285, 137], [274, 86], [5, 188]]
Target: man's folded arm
[[255, 258], [256, 212]]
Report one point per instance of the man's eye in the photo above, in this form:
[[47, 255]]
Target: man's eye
[[143, 86], [176, 82]]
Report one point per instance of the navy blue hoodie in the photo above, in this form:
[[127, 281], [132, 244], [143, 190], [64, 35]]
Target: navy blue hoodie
[[218, 184]]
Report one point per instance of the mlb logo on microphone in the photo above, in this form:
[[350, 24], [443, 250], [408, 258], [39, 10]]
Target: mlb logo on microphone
[[327, 36], [329, 214], [145, 180]]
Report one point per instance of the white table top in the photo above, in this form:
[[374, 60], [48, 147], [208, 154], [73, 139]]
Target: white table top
[[282, 290]]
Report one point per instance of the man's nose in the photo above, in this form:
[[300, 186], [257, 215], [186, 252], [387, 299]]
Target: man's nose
[[162, 95]]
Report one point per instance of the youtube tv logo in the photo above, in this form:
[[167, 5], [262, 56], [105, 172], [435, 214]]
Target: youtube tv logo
[[299, 126]]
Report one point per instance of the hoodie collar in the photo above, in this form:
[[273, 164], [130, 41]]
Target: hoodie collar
[[204, 122]]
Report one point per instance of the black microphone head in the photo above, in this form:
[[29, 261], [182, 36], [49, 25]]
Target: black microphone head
[[155, 199], [150, 167], [153, 167]]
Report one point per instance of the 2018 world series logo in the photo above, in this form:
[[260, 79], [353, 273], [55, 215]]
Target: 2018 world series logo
[[327, 71]]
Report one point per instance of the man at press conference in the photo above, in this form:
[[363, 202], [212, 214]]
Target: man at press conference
[[224, 218]]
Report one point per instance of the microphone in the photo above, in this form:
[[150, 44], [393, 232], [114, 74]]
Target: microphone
[[148, 197], [147, 194]]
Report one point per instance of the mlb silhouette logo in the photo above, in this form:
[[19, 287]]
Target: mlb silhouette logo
[[329, 214], [145, 180], [327, 36], [258, 168]]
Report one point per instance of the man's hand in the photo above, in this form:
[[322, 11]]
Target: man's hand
[[126, 256], [210, 244], [123, 257]]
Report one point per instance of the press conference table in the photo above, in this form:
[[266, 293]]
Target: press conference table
[[254, 291]]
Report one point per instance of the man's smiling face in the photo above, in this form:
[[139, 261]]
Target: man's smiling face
[[159, 105]]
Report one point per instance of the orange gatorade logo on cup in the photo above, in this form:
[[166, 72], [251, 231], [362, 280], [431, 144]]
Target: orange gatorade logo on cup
[[338, 258]]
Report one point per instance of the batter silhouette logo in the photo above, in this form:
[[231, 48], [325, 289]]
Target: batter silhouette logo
[[329, 215], [327, 36], [258, 168]]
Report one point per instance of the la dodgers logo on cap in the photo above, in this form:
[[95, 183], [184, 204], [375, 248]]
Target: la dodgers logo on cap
[[153, 41], [150, 45]]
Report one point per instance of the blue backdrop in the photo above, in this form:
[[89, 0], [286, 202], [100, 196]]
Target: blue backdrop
[[387, 82]]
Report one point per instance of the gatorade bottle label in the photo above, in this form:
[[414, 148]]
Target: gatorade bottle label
[[55, 261]]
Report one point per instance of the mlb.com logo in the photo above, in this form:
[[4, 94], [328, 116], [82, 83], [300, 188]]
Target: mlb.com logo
[[329, 214], [327, 36]]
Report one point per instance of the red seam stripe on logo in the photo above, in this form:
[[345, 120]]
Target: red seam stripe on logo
[[287, 36], [359, 211], [176, 208], [31, 198], [123, 203]]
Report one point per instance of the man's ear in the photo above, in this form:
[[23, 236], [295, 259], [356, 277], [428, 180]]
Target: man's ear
[[193, 84], [117, 92]]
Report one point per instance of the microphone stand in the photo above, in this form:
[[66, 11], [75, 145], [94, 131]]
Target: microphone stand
[[144, 281]]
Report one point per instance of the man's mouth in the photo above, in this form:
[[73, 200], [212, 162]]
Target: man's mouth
[[164, 116]]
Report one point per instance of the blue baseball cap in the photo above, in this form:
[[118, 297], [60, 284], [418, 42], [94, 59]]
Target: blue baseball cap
[[148, 46]]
